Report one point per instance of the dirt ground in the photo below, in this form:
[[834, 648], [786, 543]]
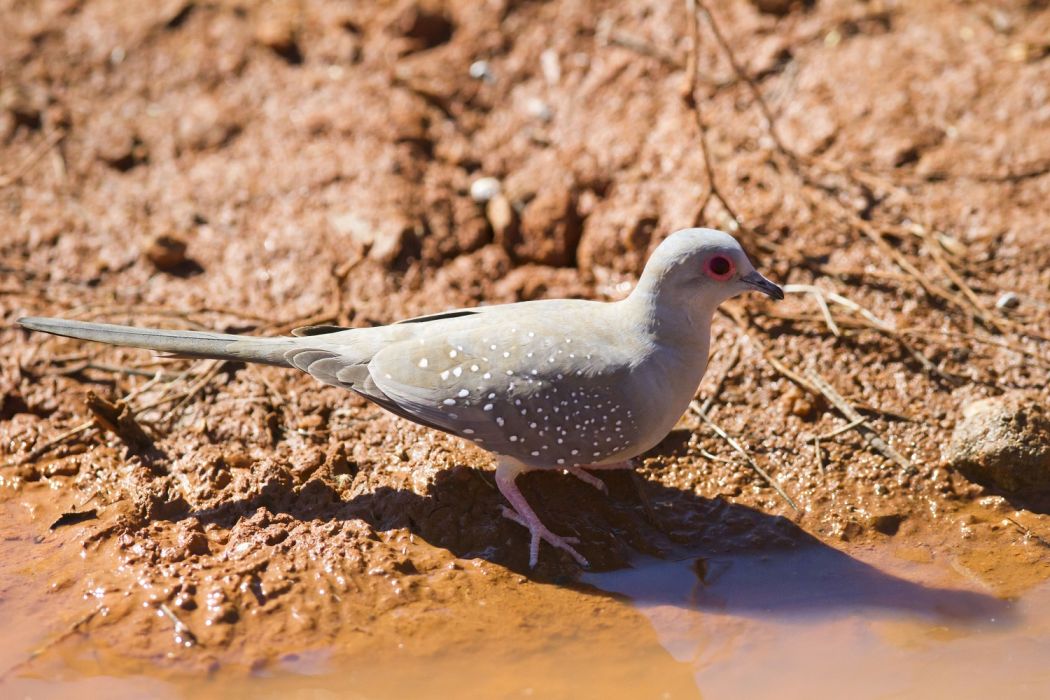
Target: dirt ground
[[254, 167]]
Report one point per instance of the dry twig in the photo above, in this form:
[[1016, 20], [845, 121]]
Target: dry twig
[[869, 433], [699, 410], [689, 90], [34, 156]]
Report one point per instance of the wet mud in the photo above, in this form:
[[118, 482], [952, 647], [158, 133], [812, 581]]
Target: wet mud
[[175, 527]]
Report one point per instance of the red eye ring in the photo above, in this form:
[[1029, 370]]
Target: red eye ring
[[720, 267]]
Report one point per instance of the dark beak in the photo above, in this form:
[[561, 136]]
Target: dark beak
[[761, 284]]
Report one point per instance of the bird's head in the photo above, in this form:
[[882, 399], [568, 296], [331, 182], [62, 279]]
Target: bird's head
[[702, 266]]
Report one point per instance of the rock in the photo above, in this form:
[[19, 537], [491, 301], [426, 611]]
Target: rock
[[118, 146], [1008, 300], [500, 214], [535, 107], [385, 237], [1004, 442], [481, 70], [277, 31], [550, 228], [485, 188], [167, 253]]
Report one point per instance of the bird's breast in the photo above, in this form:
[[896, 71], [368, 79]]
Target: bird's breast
[[662, 387]]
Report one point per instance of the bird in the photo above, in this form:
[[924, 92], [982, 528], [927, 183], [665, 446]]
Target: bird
[[572, 385]]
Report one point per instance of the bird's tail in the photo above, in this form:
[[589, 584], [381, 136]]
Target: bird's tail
[[219, 346]]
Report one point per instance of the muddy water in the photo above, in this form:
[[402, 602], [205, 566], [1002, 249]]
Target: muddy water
[[808, 622], [819, 623]]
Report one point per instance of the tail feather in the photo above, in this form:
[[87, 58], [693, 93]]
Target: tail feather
[[219, 346]]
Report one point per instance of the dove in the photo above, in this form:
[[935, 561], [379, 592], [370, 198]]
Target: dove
[[561, 384]]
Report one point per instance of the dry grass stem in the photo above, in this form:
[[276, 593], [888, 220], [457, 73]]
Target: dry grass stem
[[698, 410], [858, 421]]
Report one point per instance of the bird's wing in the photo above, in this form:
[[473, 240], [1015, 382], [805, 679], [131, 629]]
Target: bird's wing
[[516, 384]]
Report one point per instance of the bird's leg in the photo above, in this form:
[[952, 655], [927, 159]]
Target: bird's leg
[[588, 478], [594, 481], [520, 512]]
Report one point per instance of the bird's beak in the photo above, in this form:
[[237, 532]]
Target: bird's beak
[[761, 284]]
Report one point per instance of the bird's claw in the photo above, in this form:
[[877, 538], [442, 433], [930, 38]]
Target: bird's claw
[[539, 532]]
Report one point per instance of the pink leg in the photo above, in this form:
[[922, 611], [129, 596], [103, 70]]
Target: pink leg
[[594, 481], [506, 474], [587, 478]]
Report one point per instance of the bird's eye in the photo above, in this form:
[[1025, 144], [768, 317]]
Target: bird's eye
[[720, 267]]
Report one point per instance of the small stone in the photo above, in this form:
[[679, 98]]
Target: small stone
[[550, 64], [385, 237], [195, 543], [118, 146], [238, 460], [277, 32], [310, 422], [1004, 442], [500, 214], [481, 70], [485, 188], [539, 109], [1009, 300], [850, 530], [166, 252]]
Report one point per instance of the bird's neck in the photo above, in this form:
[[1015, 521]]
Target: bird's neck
[[671, 322]]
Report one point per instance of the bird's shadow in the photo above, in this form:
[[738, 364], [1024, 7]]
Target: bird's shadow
[[658, 544]]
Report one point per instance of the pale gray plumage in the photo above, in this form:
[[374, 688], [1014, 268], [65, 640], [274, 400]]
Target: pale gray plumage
[[556, 384]]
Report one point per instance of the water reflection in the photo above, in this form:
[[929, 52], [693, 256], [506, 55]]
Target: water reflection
[[817, 623]]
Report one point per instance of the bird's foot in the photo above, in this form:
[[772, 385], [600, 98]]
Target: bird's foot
[[539, 532], [588, 478]]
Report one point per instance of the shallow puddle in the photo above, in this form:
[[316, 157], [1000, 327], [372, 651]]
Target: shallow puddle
[[817, 623], [812, 622]]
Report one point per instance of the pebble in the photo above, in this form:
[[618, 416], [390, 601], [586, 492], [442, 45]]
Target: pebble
[[1004, 441], [550, 64], [481, 70], [485, 188], [500, 215], [385, 237], [166, 252], [539, 109], [1009, 300]]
